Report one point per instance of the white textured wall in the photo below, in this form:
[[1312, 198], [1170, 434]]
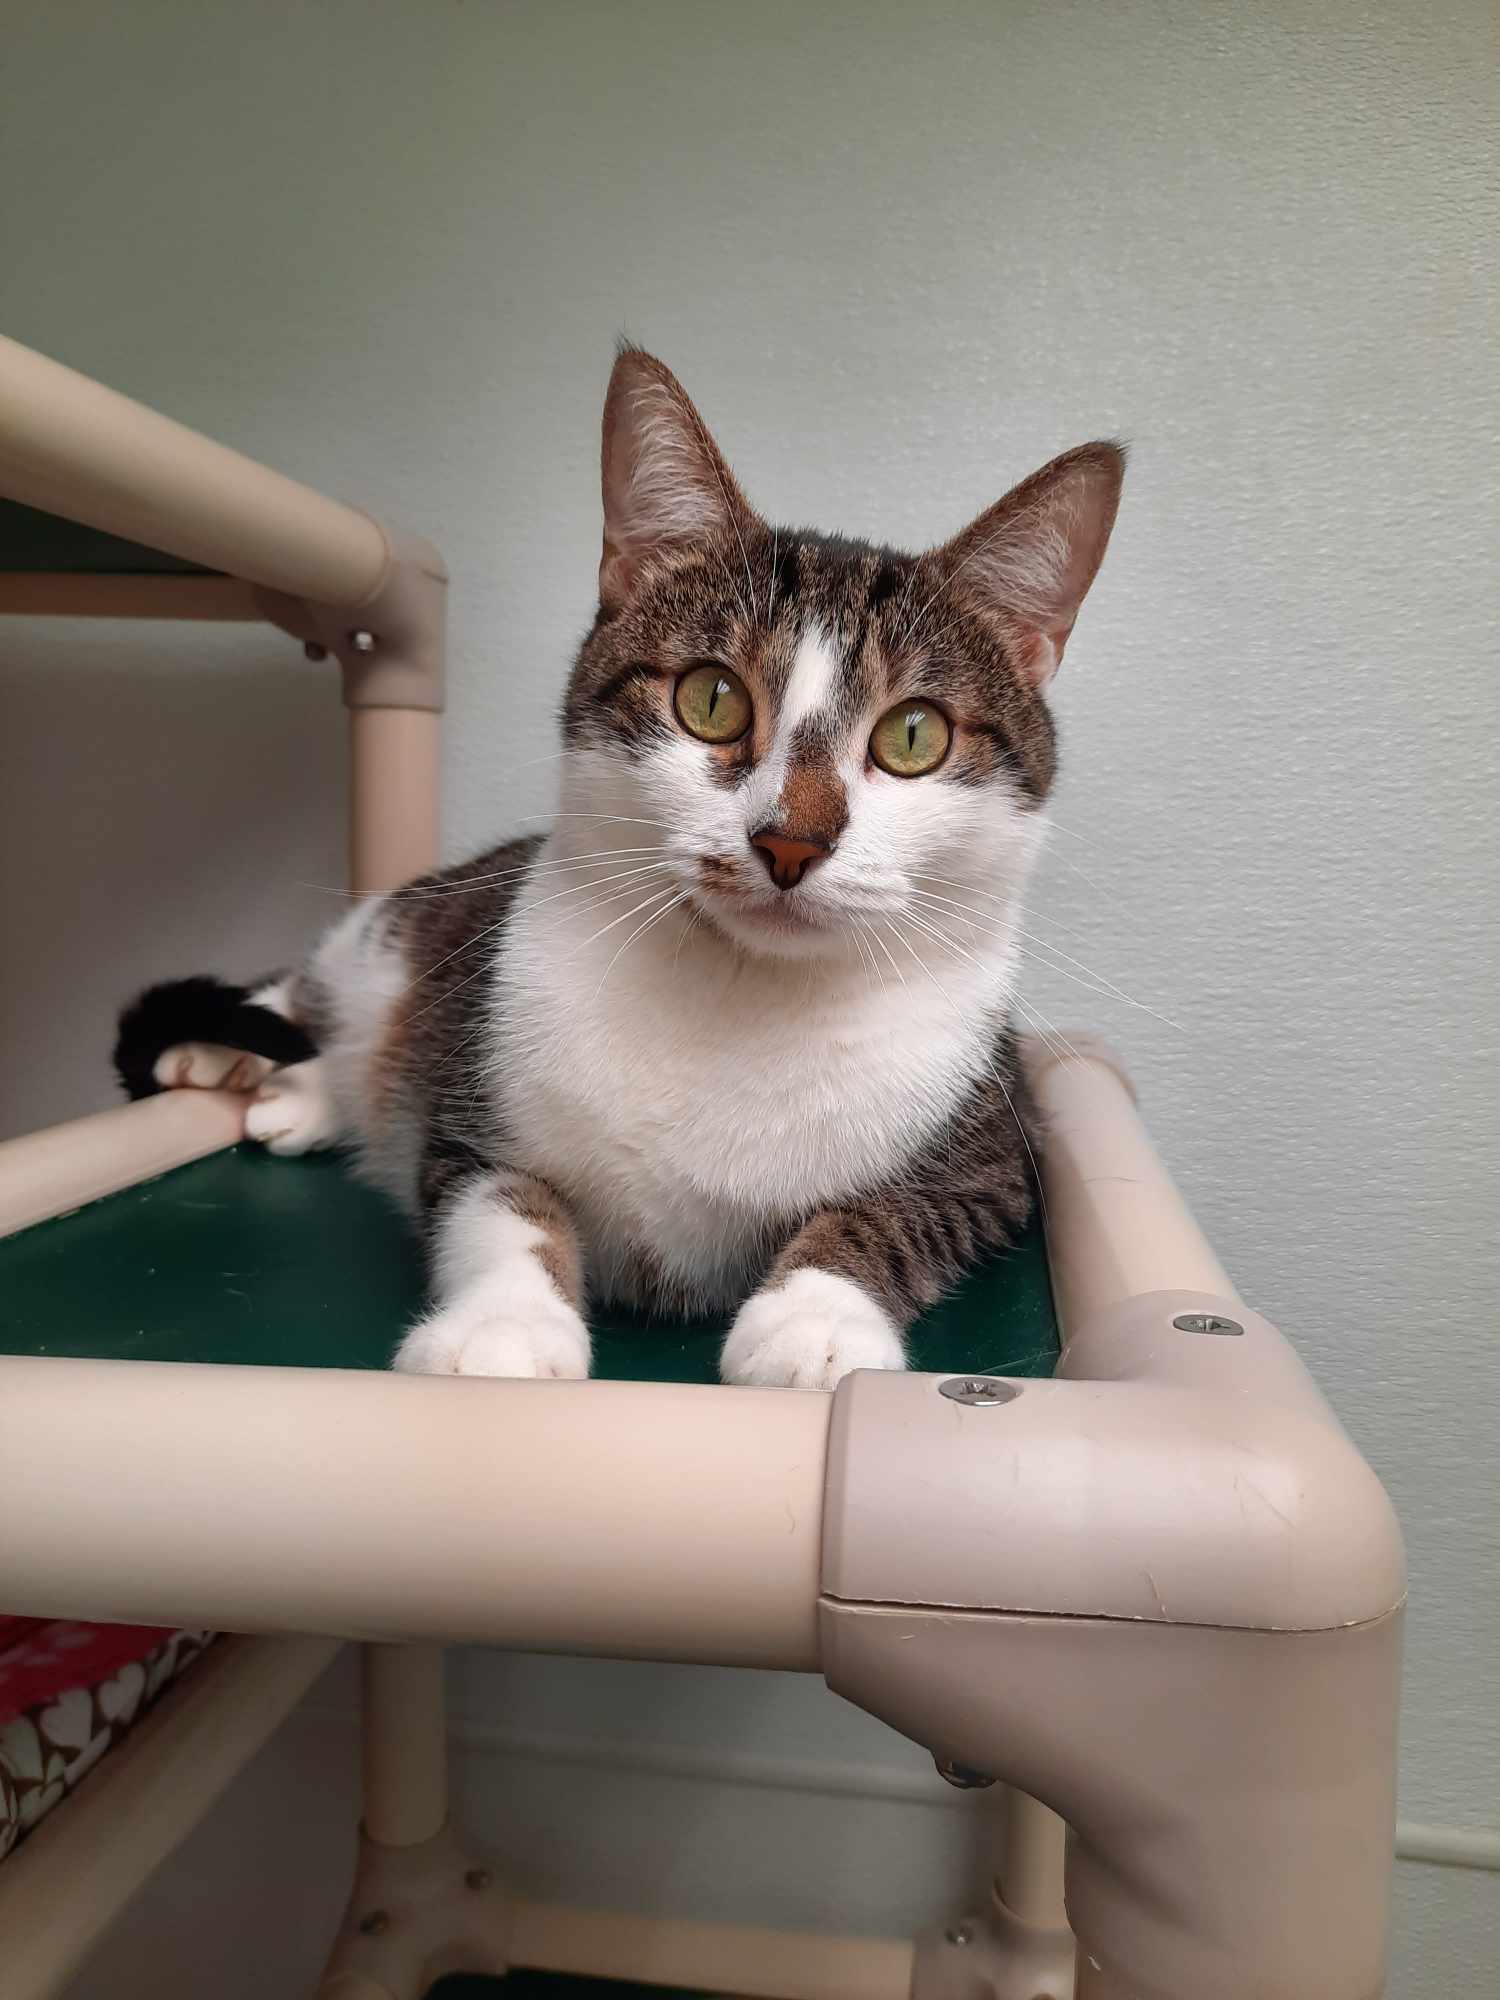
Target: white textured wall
[[901, 255]]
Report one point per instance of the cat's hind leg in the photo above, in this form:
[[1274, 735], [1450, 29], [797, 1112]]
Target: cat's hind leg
[[204, 1034], [507, 1276], [209, 1066]]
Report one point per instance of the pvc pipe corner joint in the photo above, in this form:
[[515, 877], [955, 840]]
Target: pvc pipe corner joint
[[389, 647]]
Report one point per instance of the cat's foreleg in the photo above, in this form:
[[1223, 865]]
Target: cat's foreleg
[[844, 1290], [508, 1282], [813, 1321]]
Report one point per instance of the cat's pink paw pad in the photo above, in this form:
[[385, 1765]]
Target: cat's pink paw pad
[[808, 1334]]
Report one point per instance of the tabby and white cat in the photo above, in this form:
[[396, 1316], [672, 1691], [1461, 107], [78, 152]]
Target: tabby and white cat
[[737, 1031]]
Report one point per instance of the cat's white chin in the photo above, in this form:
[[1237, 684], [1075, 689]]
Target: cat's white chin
[[776, 930]]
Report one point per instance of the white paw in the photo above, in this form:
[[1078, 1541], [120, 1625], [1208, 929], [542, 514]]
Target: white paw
[[293, 1110], [480, 1336], [808, 1334], [208, 1066]]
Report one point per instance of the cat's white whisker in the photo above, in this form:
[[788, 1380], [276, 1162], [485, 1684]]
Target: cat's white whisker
[[623, 919], [615, 819], [415, 892], [679, 898], [1058, 1043], [443, 998], [1103, 992], [866, 953], [587, 909], [875, 934], [489, 930], [1097, 982], [604, 882], [683, 937], [1083, 875], [989, 1065], [603, 902], [1006, 902]]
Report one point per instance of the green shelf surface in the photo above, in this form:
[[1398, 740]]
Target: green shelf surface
[[243, 1257]]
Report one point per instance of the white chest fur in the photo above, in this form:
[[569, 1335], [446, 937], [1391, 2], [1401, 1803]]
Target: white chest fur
[[691, 1100]]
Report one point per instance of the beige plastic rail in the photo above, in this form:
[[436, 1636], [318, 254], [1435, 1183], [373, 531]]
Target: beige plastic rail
[[75, 448], [323, 571]]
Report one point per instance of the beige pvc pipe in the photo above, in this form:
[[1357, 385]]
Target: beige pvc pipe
[[1031, 1877], [394, 758], [404, 1744], [73, 447], [631, 1519], [1116, 1224], [66, 1166], [76, 1872]]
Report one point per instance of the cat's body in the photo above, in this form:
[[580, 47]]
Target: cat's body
[[738, 1028], [684, 1175]]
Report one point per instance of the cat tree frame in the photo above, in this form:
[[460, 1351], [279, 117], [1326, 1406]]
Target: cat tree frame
[[1160, 1592]]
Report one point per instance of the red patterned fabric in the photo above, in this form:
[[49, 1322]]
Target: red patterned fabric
[[67, 1694], [40, 1660]]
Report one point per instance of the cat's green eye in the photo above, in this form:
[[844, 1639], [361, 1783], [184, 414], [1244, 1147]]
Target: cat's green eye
[[911, 739], [714, 704]]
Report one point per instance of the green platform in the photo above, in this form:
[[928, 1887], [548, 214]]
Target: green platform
[[246, 1258]]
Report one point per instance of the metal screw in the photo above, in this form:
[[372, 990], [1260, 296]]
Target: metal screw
[[362, 642], [960, 1933], [375, 1924], [477, 1879], [313, 651], [980, 1392], [962, 1777], [1206, 1323]]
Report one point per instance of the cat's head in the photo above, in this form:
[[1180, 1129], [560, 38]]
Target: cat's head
[[822, 737]]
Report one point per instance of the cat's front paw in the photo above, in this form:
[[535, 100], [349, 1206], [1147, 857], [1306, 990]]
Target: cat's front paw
[[808, 1334], [543, 1337], [293, 1112]]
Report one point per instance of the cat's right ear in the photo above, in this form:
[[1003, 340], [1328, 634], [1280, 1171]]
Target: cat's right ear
[[666, 484], [1034, 554]]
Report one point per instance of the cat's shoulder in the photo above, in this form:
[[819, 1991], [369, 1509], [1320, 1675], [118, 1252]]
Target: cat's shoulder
[[448, 907]]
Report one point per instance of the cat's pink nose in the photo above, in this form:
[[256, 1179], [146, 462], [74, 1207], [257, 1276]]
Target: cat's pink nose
[[787, 860]]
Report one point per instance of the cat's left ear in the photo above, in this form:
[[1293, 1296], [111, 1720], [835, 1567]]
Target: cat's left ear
[[666, 484], [1032, 556]]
